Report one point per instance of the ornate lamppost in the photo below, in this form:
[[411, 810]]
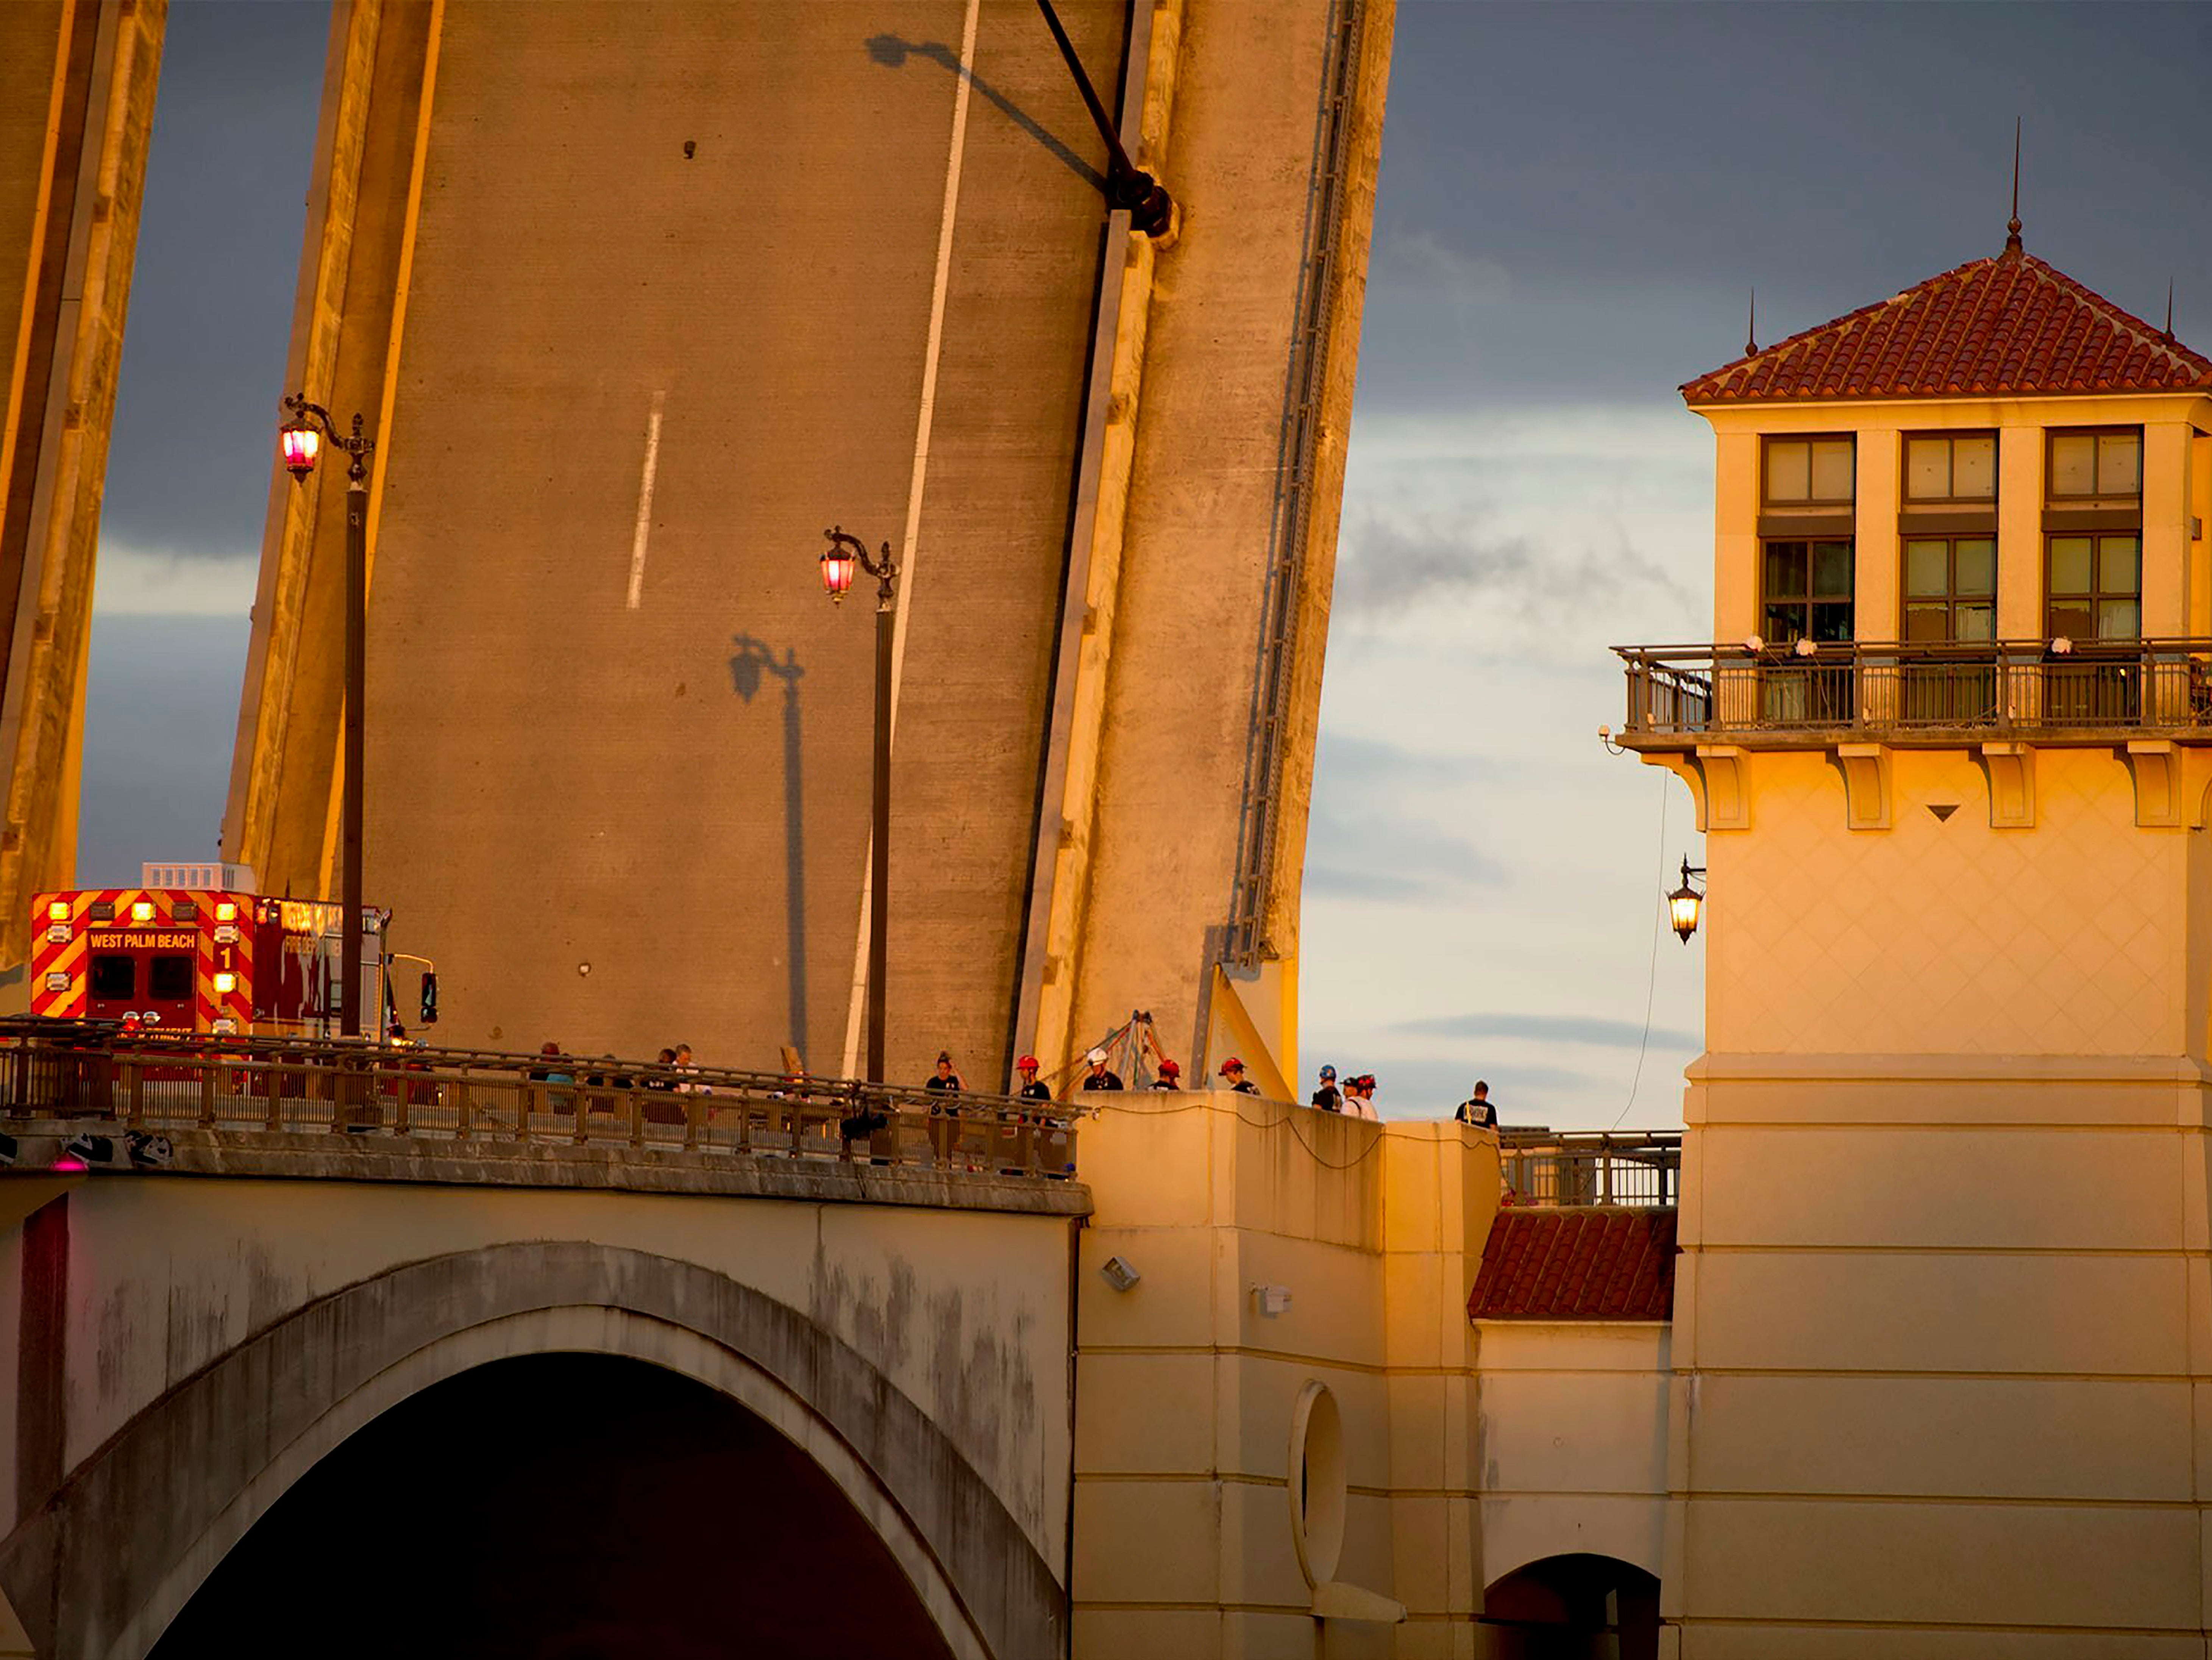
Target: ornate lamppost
[[839, 560], [301, 443]]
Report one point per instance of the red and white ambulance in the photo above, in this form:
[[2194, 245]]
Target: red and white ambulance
[[195, 949]]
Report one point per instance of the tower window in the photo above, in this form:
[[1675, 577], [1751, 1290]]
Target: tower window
[[1807, 591], [2092, 541], [1951, 466], [1950, 589], [1809, 472], [2096, 468], [2095, 587]]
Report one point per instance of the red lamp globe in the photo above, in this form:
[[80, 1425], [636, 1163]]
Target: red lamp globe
[[837, 571], [299, 445]]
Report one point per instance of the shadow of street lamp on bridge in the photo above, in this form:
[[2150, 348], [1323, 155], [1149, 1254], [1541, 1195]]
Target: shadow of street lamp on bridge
[[750, 661]]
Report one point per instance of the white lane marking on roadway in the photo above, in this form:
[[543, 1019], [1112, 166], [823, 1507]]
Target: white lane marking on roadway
[[645, 499], [938, 286]]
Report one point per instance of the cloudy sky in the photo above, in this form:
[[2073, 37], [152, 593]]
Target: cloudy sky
[[1575, 200]]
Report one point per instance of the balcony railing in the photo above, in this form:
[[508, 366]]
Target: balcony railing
[[2049, 692], [1549, 1168], [68, 1071]]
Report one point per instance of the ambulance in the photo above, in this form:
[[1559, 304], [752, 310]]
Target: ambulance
[[193, 948]]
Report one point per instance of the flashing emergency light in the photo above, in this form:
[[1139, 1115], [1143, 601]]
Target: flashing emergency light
[[225, 912], [57, 910], [301, 445], [58, 981], [226, 981], [141, 911]]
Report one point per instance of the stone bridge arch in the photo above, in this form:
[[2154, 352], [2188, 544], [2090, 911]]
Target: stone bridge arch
[[108, 1562]]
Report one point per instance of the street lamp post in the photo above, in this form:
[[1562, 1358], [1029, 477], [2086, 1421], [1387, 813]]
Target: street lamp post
[[306, 426], [844, 553]]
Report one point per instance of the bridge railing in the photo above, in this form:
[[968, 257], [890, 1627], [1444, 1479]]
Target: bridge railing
[[156, 1083], [1549, 1168]]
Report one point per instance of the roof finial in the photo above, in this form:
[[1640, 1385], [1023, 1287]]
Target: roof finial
[[1751, 328], [2169, 311], [2012, 225]]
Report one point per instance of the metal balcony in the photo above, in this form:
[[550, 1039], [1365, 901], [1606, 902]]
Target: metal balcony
[[2103, 691], [1548, 1169]]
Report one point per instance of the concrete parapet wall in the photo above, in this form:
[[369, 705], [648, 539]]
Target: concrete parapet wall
[[1187, 1385], [575, 1168]]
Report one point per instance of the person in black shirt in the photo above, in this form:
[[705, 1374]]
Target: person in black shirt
[[944, 1078], [1477, 1111], [1100, 1077], [1031, 1090], [1170, 1077], [1233, 1070], [1329, 1098]]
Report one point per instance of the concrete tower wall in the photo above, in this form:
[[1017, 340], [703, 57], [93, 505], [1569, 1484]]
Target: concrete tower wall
[[1943, 1339], [76, 105]]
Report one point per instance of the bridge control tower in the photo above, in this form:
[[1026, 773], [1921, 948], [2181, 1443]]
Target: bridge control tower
[[637, 301], [1940, 1348]]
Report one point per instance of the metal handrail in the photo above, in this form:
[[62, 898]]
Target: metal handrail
[[1896, 688], [1549, 1170], [70, 1070]]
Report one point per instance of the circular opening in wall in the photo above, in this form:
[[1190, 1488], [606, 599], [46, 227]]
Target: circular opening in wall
[[1317, 1481]]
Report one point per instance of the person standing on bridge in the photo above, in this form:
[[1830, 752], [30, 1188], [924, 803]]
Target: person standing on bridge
[[1476, 1109], [1100, 1077], [1360, 1101], [1232, 1069], [1170, 1076], [943, 1133], [1329, 1098], [1032, 1089]]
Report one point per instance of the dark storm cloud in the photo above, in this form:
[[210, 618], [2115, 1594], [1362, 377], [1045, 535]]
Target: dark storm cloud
[[1550, 1029], [1601, 185], [218, 259]]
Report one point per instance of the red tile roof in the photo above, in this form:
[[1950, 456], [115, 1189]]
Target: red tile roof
[[1594, 1264], [2009, 325]]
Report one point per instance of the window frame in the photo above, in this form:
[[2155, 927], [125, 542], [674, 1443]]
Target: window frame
[[1811, 504], [1951, 598], [2096, 595], [1810, 597], [1908, 503], [100, 967], [2095, 498], [164, 971]]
